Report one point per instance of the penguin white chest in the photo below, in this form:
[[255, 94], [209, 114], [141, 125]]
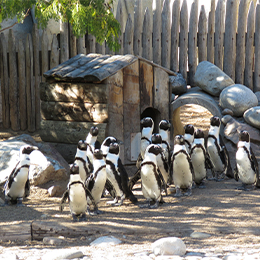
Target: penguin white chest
[[82, 171], [78, 200], [214, 155], [111, 175], [99, 185], [198, 163]]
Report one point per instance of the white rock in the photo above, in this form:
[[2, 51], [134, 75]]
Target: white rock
[[169, 246], [52, 240], [211, 79], [199, 235], [106, 241], [252, 116], [59, 254], [237, 98], [233, 257]]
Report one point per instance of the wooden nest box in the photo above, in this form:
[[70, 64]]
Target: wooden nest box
[[112, 92]]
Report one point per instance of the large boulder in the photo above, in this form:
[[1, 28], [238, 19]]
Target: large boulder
[[237, 98], [252, 116], [211, 79], [178, 84]]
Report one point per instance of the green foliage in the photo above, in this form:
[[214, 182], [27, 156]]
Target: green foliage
[[92, 16]]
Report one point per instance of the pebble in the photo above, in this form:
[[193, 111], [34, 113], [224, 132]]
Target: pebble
[[199, 235]]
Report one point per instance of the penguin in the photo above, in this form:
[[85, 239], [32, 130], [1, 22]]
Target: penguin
[[81, 159], [188, 136], [246, 164], [151, 177], [92, 142], [106, 143], [199, 158], [218, 152], [77, 195], [96, 181], [17, 185], [182, 169], [117, 177]]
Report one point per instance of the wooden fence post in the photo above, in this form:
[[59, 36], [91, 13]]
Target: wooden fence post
[[101, 48], [64, 42], [157, 33], [129, 36], [81, 45], [202, 35], [91, 43], [249, 50], [13, 93], [147, 36], [119, 17], [45, 62], [138, 22], [55, 54], [72, 43], [257, 50], [211, 31]]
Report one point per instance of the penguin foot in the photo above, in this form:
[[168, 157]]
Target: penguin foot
[[83, 217], [246, 187], [178, 193], [94, 212], [155, 205], [75, 218], [188, 193], [20, 202]]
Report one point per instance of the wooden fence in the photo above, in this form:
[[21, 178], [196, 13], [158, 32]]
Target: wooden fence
[[228, 36]]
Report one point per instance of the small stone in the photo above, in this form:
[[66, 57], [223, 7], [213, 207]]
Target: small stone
[[44, 216], [52, 241], [199, 235], [227, 111], [105, 241], [59, 254]]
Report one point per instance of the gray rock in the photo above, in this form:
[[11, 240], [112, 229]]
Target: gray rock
[[227, 111], [105, 241], [59, 254], [53, 240], [199, 235], [257, 93], [252, 116], [56, 191], [169, 246], [211, 79], [178, 84], [237, 98]]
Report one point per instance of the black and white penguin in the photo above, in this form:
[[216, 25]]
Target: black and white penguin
[[188, 136], [199, 158], [92, 142], [97, 180], [217, 151], [81, 159], [246, 164], [77, 195], [151, 177], [182, 169], [17, 185], [106, 144]]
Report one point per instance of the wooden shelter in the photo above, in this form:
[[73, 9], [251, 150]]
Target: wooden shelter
[[112, 92]]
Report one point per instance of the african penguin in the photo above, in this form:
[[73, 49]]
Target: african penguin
[[106, 143], [96, 181], [92, 142], [77, 195], [181, 165], [246, 164], [17, 185], [188, 136], [217, 151], [199, 158]]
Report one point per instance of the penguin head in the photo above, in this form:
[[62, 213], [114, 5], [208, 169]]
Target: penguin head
[[198, 134], [74, 169], [156, 139], [106, 143], [189, 129], [114, 148], [94, 131], [82, 145], [27, 149], [215, 121], [154, 149], [244, 136], [98, 154], [147, 122], [165, 125], [179, 140]]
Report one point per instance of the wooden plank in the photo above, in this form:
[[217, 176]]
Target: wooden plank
[[157, 33], [211, 31], [202, 35], [257, 50], [138, 21], [131, 106], [219, 33], [64, 41], [192, 42], [129, 36], [92, 43], [55, 54], [13, 86], [4, 83], [120, 19], [81, 45], [45, 62], [249, 51], [22, 85], [175, 35], [147, 36], [21, 231], [73, 43], [101, 48], [69, 92], [183, 39], [166, 35], [74, 111], [161, 93], [146, 85], [230, 38], [30, 90], [68, 132], [36, 64]]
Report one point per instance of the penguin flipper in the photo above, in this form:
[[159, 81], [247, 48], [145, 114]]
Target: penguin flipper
[[90, 182], [88, 194], [236, 177], [63, 199], [134, 179], [225, 156], [27, 188], [109, 186], [162, 181], [254, 165]]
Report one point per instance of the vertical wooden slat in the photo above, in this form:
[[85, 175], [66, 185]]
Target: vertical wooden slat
[[175, 36], [211, 31], [13, 87], [22, 85], [202, 35], [55, 55], [92, 43], [101, 48], [64, 42], [240, 48], [192, 45], [166, 34], [81, 45], [119, 17], [157, 33], [230, 38], [45, 63], [30, 90], [129, 36], [138, 22], [36, 64], [147, 36], [4, 83], [73, 43], [257, 50], [183, 39], [249, 51]]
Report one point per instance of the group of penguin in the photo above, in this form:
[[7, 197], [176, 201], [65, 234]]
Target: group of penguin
[[98, 170]]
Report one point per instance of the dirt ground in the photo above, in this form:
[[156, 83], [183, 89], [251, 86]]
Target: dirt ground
[[229, 215]]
